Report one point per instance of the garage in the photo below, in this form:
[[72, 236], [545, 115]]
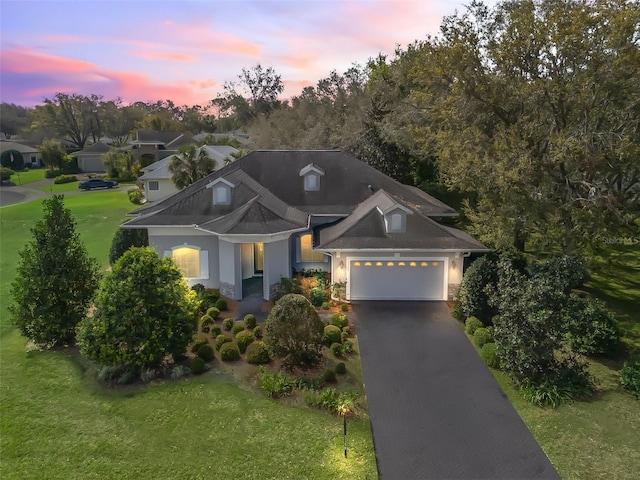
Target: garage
[[395, 279]]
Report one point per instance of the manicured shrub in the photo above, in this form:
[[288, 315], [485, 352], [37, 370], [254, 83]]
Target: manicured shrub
[[213, 312], [215, 330], [329, 376], [229, 352], [198, 341], [250, 321], [456, 312], [341, 368], [488, 354], [221, 304], [340, 320], [136, 196], [257, 332], [347, 330], [331, 335], [482, 337], [237, 327], [257, 353], [197, 366], [472, 324], [344, 336], [344, 307], [205, 352], [205, 322], [326, 306], [317, 296], [347, 347], [198, 287], [243, 339], [227, 323], [630, 376], [336, 349], [591, 328], [222, 339], [5, 173], [275, 384], [12, 159], [208, 298], [60, 179], [472, 297]]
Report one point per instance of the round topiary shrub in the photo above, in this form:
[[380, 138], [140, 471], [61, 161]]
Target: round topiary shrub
[[257, 332], [229, 352], [472, 297], [60, 179], [257, 353], [340, 320], [198, 341], [329, 376], [237, 327], [243, 339], [205, 352], [341, 368], [472, 324], [227, 323], [205, 322], [482, 336], [215, 330], [630, 376], [213, 312], [347, 330], [326, 306], [331, 335], [222, 339], [488, 354], [250, 321], [347, 347], [221, 304], [336, 349], [344, 336], [136, 196], [197, 366]]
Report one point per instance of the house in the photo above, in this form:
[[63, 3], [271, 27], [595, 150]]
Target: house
[[157, 177], [153, 145], [30, 155], [90, 159], [274, 212]]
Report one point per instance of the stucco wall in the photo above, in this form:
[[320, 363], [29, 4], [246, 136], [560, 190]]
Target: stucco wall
[[276, 265], [165, 189], [230, 269]]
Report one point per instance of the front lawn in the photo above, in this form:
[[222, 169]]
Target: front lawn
[[28, 176], [56, 422]]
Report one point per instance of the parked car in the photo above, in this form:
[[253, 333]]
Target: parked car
[[97, 183]]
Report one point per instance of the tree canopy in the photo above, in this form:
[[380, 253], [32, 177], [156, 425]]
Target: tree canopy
[[190, 164]]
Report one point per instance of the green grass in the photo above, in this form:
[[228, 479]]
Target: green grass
[[29, 176], [57, 423]]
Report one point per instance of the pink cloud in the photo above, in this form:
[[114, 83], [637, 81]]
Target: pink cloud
[[29, 61], [176, 57], [205, 39]]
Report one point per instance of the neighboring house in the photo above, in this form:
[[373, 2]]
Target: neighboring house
[[157, 177], [90, 159], [153, 145], [30, 155], [272, 212]]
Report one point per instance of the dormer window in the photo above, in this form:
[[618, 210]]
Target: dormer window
[[395, 218], [311, 174], [222, 190]]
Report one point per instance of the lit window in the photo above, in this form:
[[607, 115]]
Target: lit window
[[307, 254], [188, 260], [154, 185]]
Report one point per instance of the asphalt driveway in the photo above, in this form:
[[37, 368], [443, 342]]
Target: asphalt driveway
[[435, 409]]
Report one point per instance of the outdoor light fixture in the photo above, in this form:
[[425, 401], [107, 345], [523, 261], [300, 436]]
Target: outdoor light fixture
[[453, 264], [344, 410], [341, 266]]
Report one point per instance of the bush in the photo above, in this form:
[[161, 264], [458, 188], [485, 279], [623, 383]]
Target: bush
[[222, 339], [257, 332], [546, 394], [341, 368], [482, 337], [317, 296], [565, 271], [237, 327], [347, 331], [227, 323], [205, 322], [221, 304], [275, 384], [124, 239], [205, 352], [456, 312], [344, 336], [12, 159], [347, 347], [250, 321], [257, 353], [53, 173], [5, 173], [472, 296], [340, 320], [630, 376], [60, 179], [344, 307], [330, 399], [331, 335], [591, 328], [136, 196], [488, 354], [325, 306], [472, 324], [208, 298], [213, 312], [229, 352], [197, 366], [243, 339], [198, 340], [336, 349], [198, 287], [329, 376], [215, 330]]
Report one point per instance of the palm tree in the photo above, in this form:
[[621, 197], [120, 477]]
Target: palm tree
[[190, 164]]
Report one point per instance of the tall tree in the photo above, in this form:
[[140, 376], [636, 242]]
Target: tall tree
[[190, 164], [13, 119], [53, 154], [56, 279]]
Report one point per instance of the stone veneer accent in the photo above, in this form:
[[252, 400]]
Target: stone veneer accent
[[227, 290], [274, 290]]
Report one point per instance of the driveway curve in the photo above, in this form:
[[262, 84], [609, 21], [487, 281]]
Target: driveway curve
[[436, 411]]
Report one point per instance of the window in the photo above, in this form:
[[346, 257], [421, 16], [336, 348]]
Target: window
[[396, 222], [306, 250], [222, 195], [154, 185], [188, 260], [311, 182]]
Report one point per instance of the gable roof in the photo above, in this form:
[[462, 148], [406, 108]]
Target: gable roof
[[97, 148], [365, 229], [18, 147], [165, 137]]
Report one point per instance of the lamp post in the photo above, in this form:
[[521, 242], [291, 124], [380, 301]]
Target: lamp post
[[344, 410]]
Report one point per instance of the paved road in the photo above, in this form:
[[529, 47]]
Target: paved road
[[435, 409]]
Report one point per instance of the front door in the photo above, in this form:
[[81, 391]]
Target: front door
[[258, 257]]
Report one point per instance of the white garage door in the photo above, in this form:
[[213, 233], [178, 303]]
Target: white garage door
[[396, 280]]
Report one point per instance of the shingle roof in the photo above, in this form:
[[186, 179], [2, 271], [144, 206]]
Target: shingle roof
[[157, 136], [97, 148], [19, 147]]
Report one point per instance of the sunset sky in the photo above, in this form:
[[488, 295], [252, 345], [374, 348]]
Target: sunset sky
[[186, 50]]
